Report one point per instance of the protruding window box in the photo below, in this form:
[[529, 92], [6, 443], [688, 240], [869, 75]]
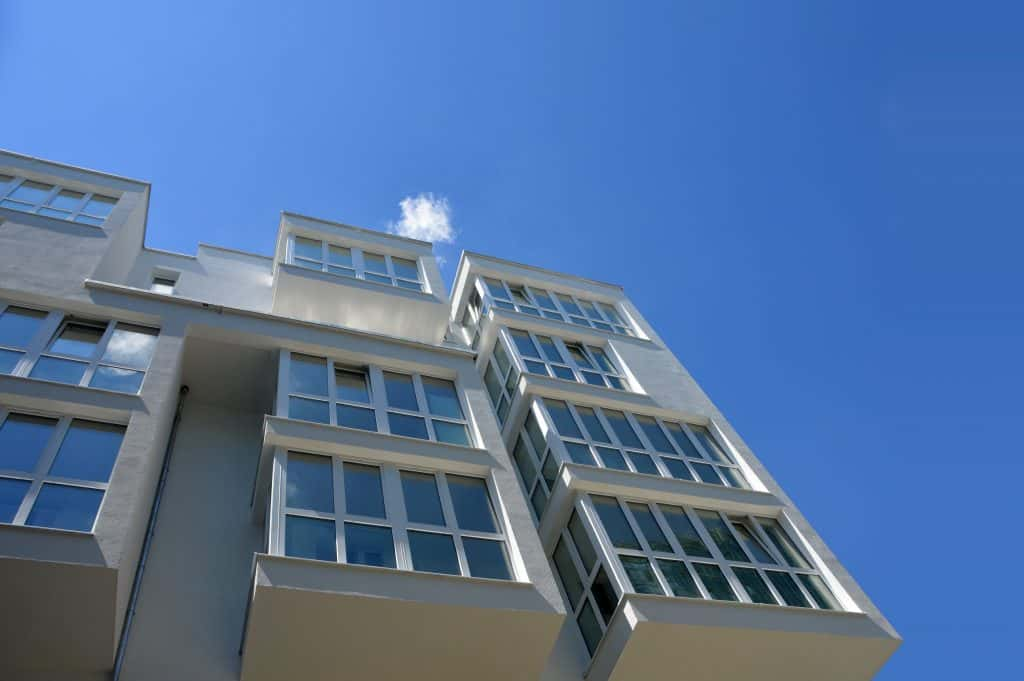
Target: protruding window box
[[659, 637], [319, 620]]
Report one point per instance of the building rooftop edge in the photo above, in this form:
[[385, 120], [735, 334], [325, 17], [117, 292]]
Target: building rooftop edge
[[467, 253], [70, 166], [365, 230]]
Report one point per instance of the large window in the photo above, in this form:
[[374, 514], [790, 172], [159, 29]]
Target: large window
[[500, 379], [385, 516], [53, 201], [538, 302], [344, 261], [642, 444], [80, 351], [370, 398], [536, 463], [552, 356], [54, 470]]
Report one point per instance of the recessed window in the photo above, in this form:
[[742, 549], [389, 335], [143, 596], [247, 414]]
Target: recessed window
[[53, 201], [447, 522], [163, 283], [54, 471], [368, 398], [538, 302], [344, 261]]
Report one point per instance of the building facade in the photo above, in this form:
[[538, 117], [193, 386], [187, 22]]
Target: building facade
[[321, 465]]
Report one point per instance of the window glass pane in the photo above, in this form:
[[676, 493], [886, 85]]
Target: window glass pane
[[654, 434], [787, 588], [307, 264], [77, 340], [624, 431], [569, 304], [684, 443], [369, 545], [442, 400], [119, 380], [786, 546], [12, 492], [472, 503], [563, 372], [18, 326], [815, 585], [566, 571], [611, 313], [753, 545], [602, 360], [755, 586], [641, 575], [536, 437], [356, 417], [716, 452], [714, 581], [60, 370], [65, 507], [593, 378], [406, 269], [579, 453], [22, 439], [679, 578], [409, 426], [88, 451], [604, 595], [308, 375], [589, 627], [614, 521], [66, 200], [612, 458], [538, 368], [495, 288], [493, 383], [130, 346], [581, 540], [433, 553], [524, 462], [643, 463], [379, 278], [524, 343], [452, 433], [99, 205], [578, 356], [539, 500], [592, 424], [649, 527], [422, 501], [519, 295], [363, 494], [486, 558], [31, 192], [549, 349], [308, 248], [309, 538], [720, 533], [543, 299], [677, 469], [400, 391], [9, 360], [375, 263], [501, 357], [564, 423], [732, 476], [684, 531], [352, 385], [338, 255], [706, 472], [50, 212], [309, 483], [308, 410]]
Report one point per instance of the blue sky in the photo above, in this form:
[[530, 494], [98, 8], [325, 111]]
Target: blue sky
[[818, 205]]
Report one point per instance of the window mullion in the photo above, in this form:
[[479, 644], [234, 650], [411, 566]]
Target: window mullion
[[38, 474], [47, 330], [338, 479], [332, 394], [278, 484], [378, 396], [421, 400], [357, 262], [452, 521], [396, 514]]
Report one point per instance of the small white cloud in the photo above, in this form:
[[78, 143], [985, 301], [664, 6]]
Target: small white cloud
[[425, 217]]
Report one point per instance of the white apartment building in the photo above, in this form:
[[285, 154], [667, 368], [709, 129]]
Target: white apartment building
[[320, 465]]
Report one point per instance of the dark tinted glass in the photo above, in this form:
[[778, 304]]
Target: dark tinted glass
[[649, 527], [369, 545], [568, 573], [64, 507], [22, 440], [88, 451], [614, 521], [679, 578], [400, 391], [60, 370], [624, 431], [77, 340], [352, 386], [309, 538], [433, 553], [755, 586], [592, 424], [308, 375], [787, 587], [714, 581], [486, 558], [19, 325], [309, 483], [564, 423], [604, 595], [654, 434], [442, 400], [641, 575], [363, 494], [11, 494], [719, 532], [409, 426], [356, 417], [422, 501], [472, 503], [309, 410], [684, 531]]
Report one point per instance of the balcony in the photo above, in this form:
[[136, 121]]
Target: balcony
[[656, 637], [318, 620]]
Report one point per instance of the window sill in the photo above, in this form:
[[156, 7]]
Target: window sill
[[587, 334], [330, 278], [44, 395]]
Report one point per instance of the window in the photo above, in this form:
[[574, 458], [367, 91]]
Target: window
[[551, 356], [29, 196], [537, 302], [393, 517], [163, 283], [642, 444], [537, 465], [423, 407], [500, 379], [698, 553], [99, 354], [314, 254], [54, 470]]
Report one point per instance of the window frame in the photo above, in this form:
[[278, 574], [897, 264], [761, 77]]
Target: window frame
[[359, 269], [593, 313], [395, 513], [40, 476], [507, 380], [533, 365], [378, 398], [9, 187]]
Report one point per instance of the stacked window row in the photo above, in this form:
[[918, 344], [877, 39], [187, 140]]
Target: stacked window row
[[551, 356], [345, 261], [369, 398], [642, 444], [54, 471], [538, 302], [673, 550], [383, 516], [40, 198], [67, 349]]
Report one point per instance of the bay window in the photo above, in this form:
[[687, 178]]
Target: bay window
[[538, 302], [358, 263], [41, 198]]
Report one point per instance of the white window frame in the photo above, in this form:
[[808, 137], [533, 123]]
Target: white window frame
[[538, 450], [378, 397], [359, 269], [598, 316], [506, 379], [395, 515], [40, 475], [78, 215], [571, 369]]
